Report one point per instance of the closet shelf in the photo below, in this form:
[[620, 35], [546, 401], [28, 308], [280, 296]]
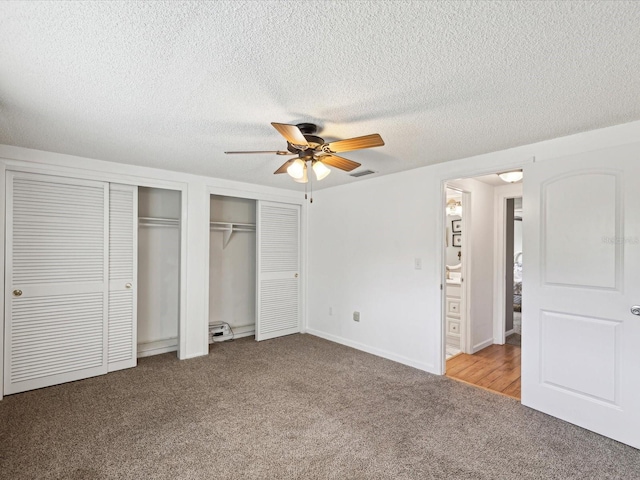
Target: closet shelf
[[229, 228], [158, 222]]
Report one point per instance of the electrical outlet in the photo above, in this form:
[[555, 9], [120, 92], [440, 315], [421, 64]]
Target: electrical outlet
[[356, 316], [418, 264]]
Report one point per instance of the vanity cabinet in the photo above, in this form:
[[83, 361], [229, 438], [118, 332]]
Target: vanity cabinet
[[453, 314]]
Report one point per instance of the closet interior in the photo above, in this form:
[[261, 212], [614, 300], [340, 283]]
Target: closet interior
[[158, 270], [232, 268]]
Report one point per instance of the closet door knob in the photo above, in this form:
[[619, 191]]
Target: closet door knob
[[17, 293], [128, 285], [296, 275]]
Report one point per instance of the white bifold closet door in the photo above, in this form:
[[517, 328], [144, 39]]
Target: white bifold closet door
[[57, 280], [123, 275], [278, 270]]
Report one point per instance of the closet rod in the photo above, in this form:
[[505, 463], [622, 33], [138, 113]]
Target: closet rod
[[158, 222]]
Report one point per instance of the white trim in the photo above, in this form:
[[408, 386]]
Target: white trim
[[442, 324], [3, 179], [508, 332], [500, 196], [157, 347], [427, 367], [476, 348], [467, 260]]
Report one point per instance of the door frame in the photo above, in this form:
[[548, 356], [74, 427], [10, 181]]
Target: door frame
[[8, 164], [449, 177]]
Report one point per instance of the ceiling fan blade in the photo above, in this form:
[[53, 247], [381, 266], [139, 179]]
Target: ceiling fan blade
[[277, 152], [283, 167], [339, 162], [357, 143], [292, 133]]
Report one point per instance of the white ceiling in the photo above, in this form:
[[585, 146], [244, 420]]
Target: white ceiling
[[173, 85]]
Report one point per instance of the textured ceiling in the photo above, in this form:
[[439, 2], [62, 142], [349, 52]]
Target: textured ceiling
[[175, 84]]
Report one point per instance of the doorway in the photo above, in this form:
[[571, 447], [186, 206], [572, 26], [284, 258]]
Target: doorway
[[513, 272], [487, 246], [455, 323]]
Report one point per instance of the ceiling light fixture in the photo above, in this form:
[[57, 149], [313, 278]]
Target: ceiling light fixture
[[454, 207], [320, 169], [511, 177], [296, 169], [304, 178]]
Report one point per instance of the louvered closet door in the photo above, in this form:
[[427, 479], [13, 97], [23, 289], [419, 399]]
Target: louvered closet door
[[56, 280], [278, 282], [123, 261]]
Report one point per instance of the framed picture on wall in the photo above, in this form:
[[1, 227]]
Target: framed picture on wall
[[456, 226], [456, 240]]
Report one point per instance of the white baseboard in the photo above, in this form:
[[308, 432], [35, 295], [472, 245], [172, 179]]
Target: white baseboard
[[427, 367], [481, 345], [156, 348], [509, 332]]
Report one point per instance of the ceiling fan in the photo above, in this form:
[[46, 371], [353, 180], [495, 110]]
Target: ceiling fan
[[308, 147]]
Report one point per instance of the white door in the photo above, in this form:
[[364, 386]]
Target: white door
[[56, 280], [123, 273], [278, 278], [581, 343]]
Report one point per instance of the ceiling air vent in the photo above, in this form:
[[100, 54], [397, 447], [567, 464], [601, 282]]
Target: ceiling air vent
[[362, 173]]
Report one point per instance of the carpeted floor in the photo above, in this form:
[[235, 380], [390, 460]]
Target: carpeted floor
[[294, 407]]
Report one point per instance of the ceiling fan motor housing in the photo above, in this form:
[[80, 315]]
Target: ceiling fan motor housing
[[307, 129]]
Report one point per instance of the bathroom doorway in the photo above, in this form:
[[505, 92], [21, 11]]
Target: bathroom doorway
[[455, 324], [482, 261]]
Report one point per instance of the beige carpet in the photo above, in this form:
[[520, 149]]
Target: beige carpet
[[295, 407]]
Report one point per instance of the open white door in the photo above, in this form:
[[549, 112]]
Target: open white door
[[56, 280], [581, 342], [278, 270]]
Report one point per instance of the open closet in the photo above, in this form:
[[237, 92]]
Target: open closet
[[158, 270], [232, 268], [92, 273], [254, 268]]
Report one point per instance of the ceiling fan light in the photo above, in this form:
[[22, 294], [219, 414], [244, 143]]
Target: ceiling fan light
[[297, 169], [320, 169], [511, 177], [304, 178]]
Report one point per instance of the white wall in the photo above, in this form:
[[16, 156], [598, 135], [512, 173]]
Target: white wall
[[452, 252], [363, 239], [232, 273], [158, 272]]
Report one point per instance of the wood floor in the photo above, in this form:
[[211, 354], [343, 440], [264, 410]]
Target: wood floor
[[495, 368]]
